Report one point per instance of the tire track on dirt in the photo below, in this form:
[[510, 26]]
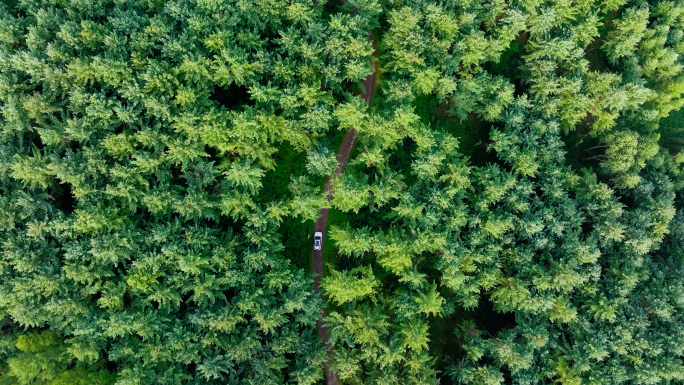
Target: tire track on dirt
[[321, 223]]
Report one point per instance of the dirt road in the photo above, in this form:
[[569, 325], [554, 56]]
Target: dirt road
[[320, 225]]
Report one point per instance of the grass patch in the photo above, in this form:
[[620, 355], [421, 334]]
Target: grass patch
[[444, 344], [379, 52], [293, 233], [509, 63], [400, 159], [336, 218], [672, 131], [233, 97], [297, 237], [288, 162], [472, 133]]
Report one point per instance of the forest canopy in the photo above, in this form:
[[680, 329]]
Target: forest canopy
[[511, 211]]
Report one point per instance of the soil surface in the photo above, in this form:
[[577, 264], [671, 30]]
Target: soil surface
[[321, 223]]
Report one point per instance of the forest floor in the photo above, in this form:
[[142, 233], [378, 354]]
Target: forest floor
[[317, 256]]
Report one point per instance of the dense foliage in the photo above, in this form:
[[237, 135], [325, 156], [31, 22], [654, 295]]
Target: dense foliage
[[512, 212], [564, 231], [135, 139]]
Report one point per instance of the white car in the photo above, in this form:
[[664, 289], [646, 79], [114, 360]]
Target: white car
[[318, 240]]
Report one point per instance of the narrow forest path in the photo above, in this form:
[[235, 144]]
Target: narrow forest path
[[321, 223]]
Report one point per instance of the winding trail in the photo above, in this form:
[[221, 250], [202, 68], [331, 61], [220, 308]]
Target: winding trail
[[321, 223]]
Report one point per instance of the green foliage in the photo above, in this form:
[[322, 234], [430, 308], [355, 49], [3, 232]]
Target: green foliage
[[562, 246], [147, 150], [356, 284], [321, 161], [44, 357], [349, 193], [511, 212], [627, 33]]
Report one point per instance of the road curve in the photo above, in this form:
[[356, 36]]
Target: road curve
[[320, 225]]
